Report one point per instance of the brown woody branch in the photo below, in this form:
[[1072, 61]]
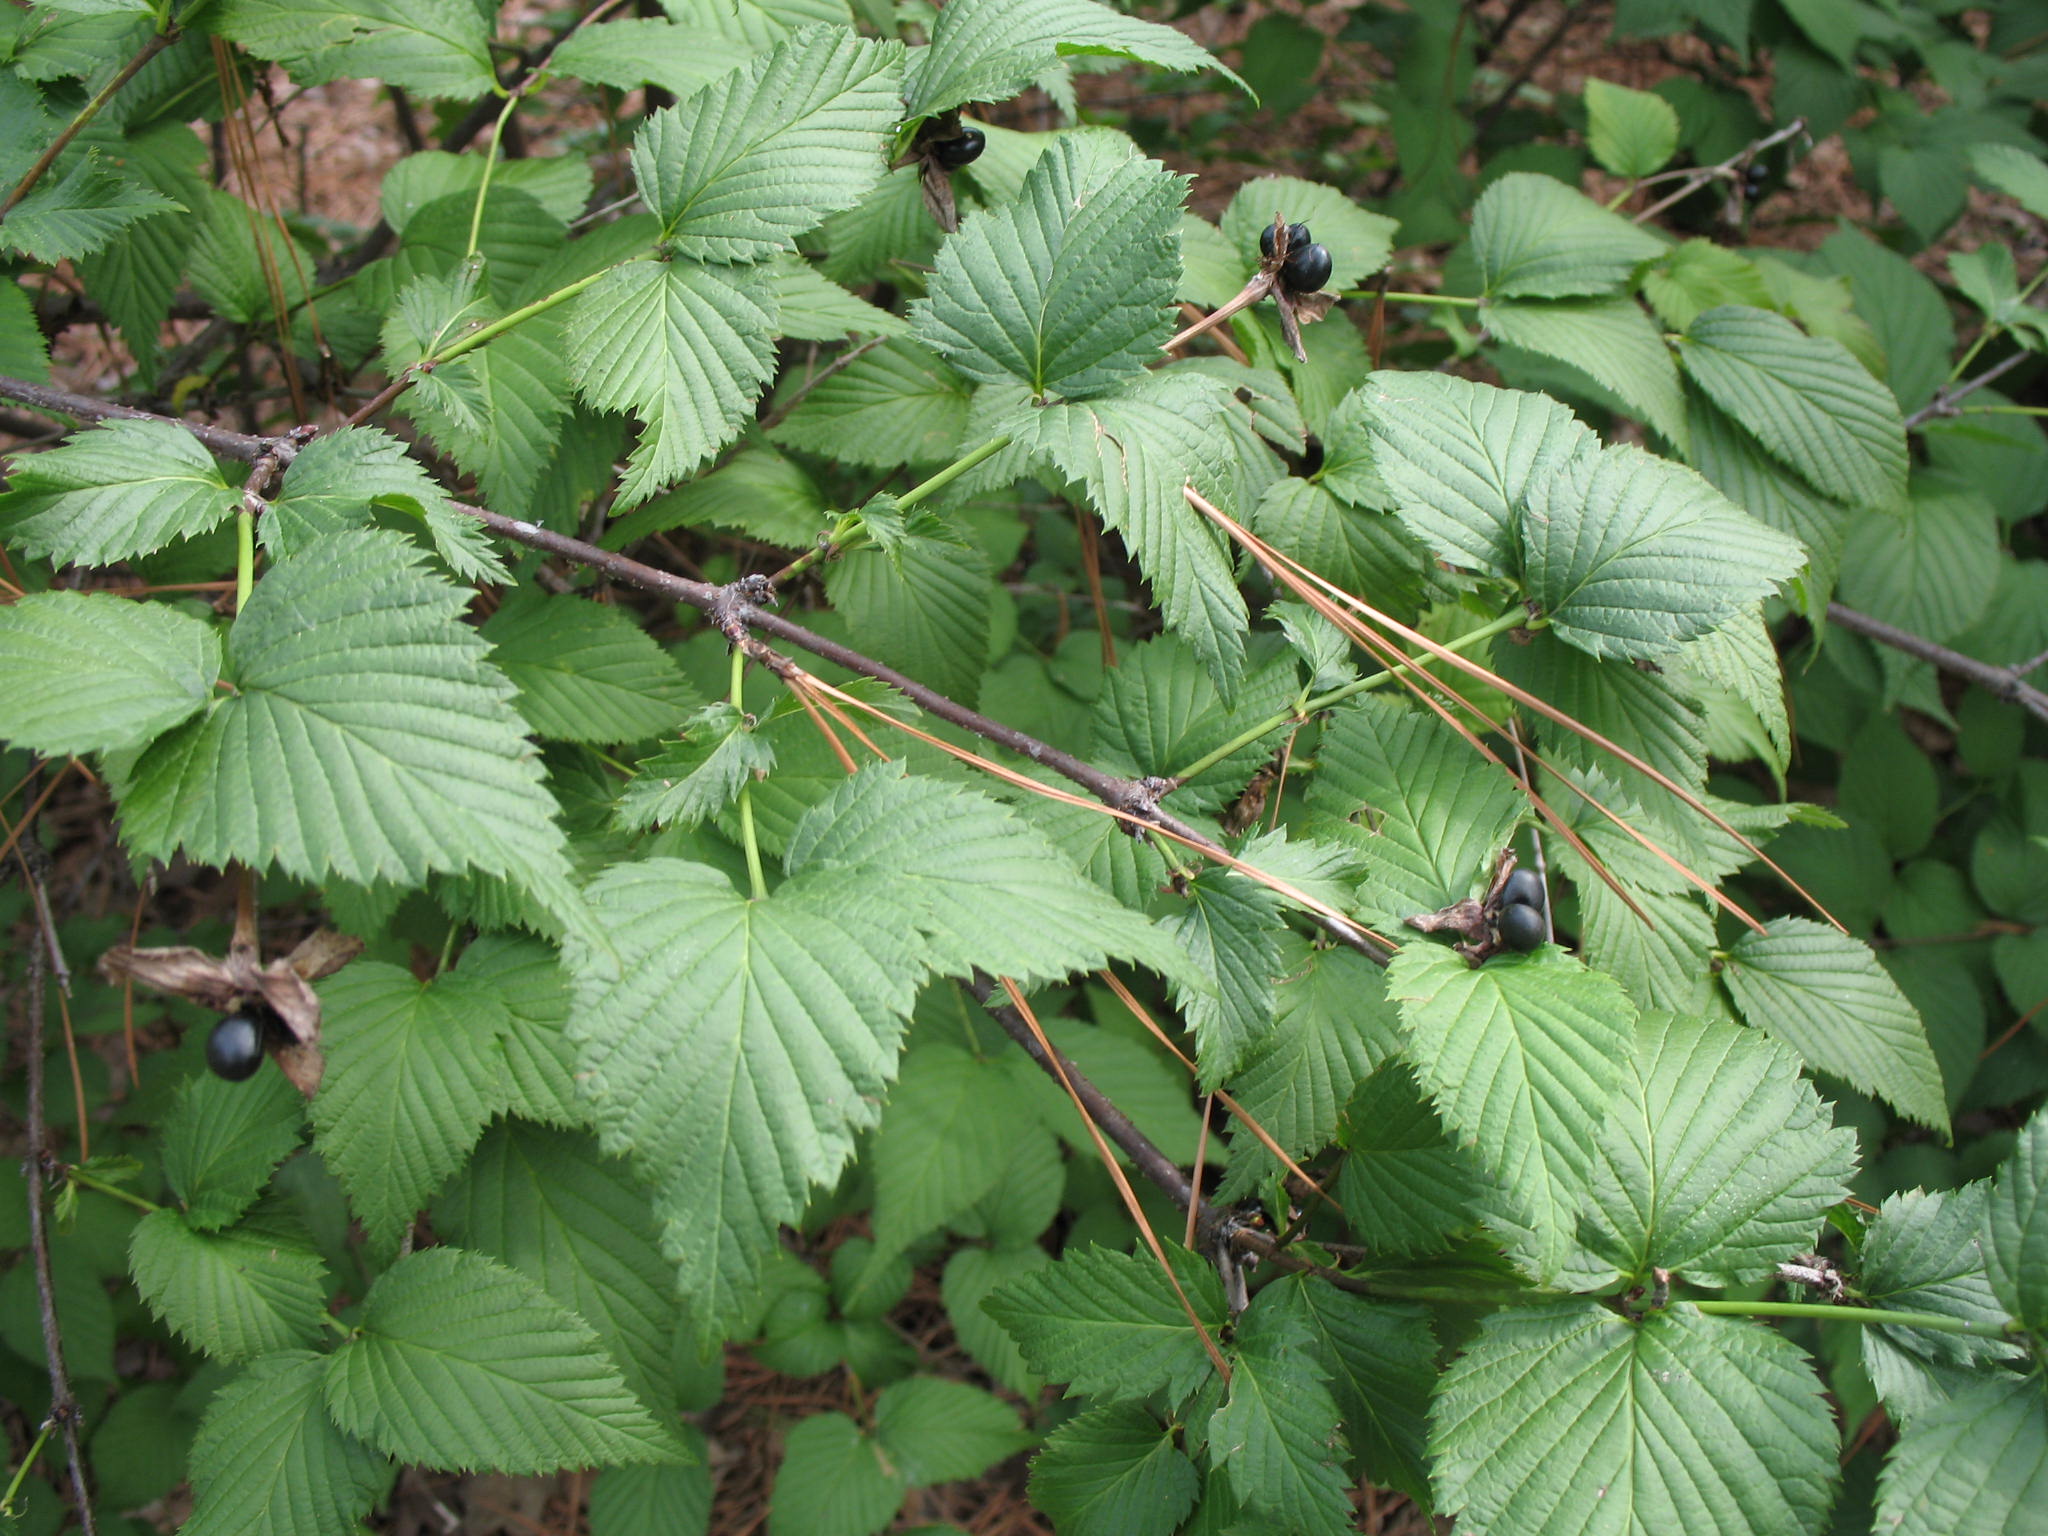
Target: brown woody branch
[[2007, 683]]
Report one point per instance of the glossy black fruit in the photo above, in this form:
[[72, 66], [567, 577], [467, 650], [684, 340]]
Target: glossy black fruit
[[1306, 269], [1522, 927], [1297, 238], [1524, 888], [965, 150], [235, 1048]]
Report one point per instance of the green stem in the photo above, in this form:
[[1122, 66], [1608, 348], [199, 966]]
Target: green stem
[[87, 1181], [21, 1472], [476, 217], [1990, 330], [245, 556], [1517, 615], [1869, 1317], [2005, 410], [504, 323], [952, 472], [1451, 301], [752, 844]]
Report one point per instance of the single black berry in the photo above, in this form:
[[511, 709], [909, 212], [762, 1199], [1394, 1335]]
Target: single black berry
[[1297, 238], [235, 1048], [1307, 268], [1522, 927], [965, 150], [1524, 888]]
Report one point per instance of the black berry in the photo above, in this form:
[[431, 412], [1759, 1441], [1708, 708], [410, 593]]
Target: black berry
[[1524, 888], [1306, 269], [1297, 238], [235, 1048], [965, 150], [1522, 927]]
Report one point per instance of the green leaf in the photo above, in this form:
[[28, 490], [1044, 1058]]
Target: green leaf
[[1804, 398], [1406, 1187], [1718, 1159], [1700, 275], [737, 170], [1111, 1324], [1229, 926], [1931, 571], [545, 1203], [920, 604], [814, 308], [367, 737], [697, 777], [1925, 1253], [1533, 237], [126, 488], [937, 1431], [1975, 1466], [1458, 458], [1380, 1357], [235, 1294], [1737, 465], [1570, 1417], [1067, 290], [971, 1274], [735, 1047], [64, 220], [222, 1139], [340, 480], [1651, 714], [527, 977], [86, 672], [757, 23], [1332, 1027], [946, 1138], [1631, 133], [23, 351], [1632, 555], [414, 1073], [1132, 455], [982, 886], [1439, 813], [499, 411], [627, 52], [764, 494], [989, 50], [1610, 340], [461, 1363], [2016, 1228], [1825, 995], [433, 48], [585, 671], [2013, 171], [1113, 1472], [834, 1481], [268, 1458], [683, 347], [899, 404], [1523, 1057], [655, 1500], [1367, 553], [1276, 1431]]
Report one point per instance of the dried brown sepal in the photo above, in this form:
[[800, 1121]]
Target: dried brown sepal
[[223, 984]]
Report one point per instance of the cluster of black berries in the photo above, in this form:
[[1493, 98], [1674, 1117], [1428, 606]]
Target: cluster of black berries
[[235, 1048], [965, 150], [1521, 921], [1307, 266]]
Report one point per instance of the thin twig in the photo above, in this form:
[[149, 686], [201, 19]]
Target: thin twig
[[36, 1169], [157, 43], [2004, 683], [1945, 400], [1724, 170]]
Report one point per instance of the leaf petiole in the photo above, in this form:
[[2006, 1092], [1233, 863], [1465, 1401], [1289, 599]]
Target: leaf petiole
[[1869, 1317]]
